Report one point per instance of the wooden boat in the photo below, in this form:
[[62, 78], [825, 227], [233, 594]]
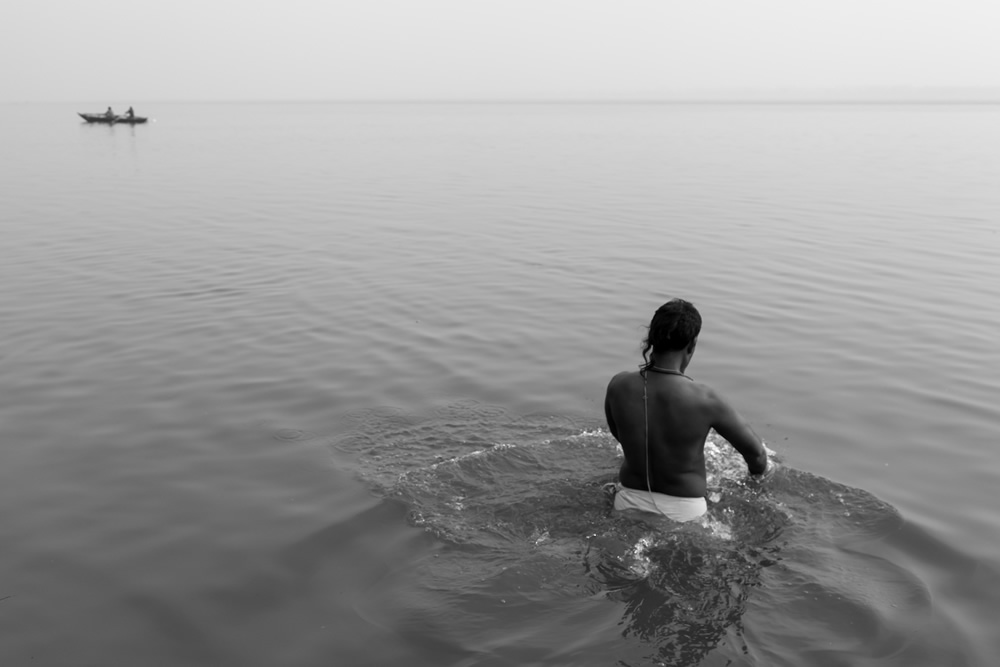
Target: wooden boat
[[111, 120]]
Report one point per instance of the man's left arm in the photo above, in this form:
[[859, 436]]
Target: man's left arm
[[607, 413]]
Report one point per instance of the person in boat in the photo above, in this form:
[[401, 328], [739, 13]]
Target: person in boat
[[662, 417], [130, 113], [109, 113]]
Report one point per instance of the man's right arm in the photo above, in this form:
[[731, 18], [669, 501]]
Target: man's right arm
[[731, 426]]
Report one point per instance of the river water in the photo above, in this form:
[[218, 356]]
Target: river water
[[322, 384]]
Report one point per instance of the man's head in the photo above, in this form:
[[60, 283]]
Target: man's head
[[674, 328]]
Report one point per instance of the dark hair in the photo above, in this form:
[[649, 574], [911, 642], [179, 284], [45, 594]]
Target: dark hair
[[674, 325]]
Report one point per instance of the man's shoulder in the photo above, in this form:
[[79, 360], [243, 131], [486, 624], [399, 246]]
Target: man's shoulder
[[620, 379], [708, 397], [702, 387]]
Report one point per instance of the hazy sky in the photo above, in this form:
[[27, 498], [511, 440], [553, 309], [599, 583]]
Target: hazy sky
[[137, 50]]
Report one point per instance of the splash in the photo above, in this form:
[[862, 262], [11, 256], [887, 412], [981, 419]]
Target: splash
[[519, 502]]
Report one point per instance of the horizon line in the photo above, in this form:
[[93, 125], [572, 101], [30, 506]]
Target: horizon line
[[986, 100]]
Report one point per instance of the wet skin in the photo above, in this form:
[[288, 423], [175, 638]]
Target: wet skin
[[680, 414]]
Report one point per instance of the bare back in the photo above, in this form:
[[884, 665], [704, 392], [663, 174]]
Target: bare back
[[678, 414]]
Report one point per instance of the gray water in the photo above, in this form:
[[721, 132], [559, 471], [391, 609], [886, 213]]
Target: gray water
[[322, 384]]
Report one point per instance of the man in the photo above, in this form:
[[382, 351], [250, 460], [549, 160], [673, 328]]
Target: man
[[661, 417]]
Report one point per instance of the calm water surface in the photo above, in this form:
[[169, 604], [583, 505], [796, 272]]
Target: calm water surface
[[322, 384]]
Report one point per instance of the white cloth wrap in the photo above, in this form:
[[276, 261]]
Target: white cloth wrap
[[672, 507]]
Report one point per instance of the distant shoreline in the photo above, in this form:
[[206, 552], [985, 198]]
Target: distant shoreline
[[735, 101]]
